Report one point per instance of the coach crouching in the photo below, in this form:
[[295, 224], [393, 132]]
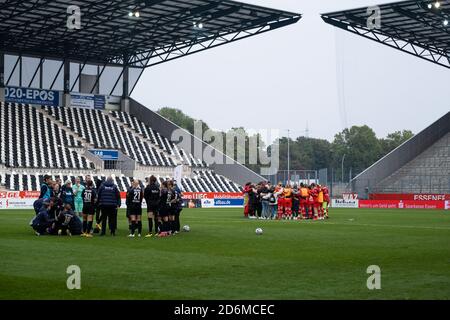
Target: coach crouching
[[109, 202]]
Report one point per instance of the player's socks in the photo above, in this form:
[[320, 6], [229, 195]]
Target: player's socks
[[89, 227], [156, 223], [84, 226], [133, 227], [150, 225], [177, 224], [139, 227]]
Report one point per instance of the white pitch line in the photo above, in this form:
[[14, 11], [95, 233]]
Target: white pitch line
[[322, 223], [387, 225]]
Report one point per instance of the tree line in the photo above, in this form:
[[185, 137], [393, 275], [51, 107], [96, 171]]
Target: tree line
[[357, 147]]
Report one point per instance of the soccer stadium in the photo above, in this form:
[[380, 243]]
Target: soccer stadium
[[87, 171]]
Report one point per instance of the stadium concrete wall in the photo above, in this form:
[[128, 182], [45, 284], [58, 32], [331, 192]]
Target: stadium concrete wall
[[386, 166], [228, 167]]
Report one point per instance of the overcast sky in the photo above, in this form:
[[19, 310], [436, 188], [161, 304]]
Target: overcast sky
[[309, 73]]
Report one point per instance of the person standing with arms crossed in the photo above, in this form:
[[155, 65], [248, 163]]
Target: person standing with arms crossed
[[109, 202]]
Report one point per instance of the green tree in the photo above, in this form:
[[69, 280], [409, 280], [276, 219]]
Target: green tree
[[360, 146], [180, 118], [306, 153], [393, 140]]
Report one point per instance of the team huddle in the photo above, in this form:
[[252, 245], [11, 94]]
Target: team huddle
[[60, 207], [265, 201]]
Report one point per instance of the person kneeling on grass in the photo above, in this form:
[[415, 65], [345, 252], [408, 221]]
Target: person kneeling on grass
[[37, 205], [68, 222], [42, 222]]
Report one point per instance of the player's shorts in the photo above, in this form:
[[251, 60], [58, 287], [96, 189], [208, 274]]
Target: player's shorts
[[89, 210], [280, 202], [164, 211], [152, 208], [325, 204], [173, 210], [303, 202], [317, 204], [134, 211], [78, 205]]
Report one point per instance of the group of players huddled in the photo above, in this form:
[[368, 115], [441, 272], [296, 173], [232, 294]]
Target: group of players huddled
[[277, 202], [70, 209]]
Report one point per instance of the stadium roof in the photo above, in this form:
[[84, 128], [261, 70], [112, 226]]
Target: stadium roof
[[418, 27], [112, 34]]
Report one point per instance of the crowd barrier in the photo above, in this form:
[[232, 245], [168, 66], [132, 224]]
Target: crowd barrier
[[392, 204], [25, 199]]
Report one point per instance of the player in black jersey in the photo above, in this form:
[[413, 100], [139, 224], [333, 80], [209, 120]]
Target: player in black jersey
[[67, 222], [179, 206], [89, 196], [173, 206], [164, 210], [152, 198], [135, 195]]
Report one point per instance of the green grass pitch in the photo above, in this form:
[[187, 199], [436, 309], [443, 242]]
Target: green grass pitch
[[222, 258]]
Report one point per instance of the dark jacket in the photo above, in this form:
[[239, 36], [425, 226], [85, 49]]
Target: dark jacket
[[108, 195], [42, 219], [71, 221], [179, 196], [37, 205]]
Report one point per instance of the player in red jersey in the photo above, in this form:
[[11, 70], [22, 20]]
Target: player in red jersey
[[310, 201], [304, 195], [320, 202], [326, 201], [280, 200], [314, 202], [287, 193], [245, 192]]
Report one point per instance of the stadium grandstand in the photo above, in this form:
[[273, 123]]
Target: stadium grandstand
[[65, 105], [421, 165], [420, 28]]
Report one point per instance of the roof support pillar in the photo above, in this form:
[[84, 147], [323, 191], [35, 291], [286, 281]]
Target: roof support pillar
[[41, 74], [125, 102], [20, 70], [2, 76], [66, 95]]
